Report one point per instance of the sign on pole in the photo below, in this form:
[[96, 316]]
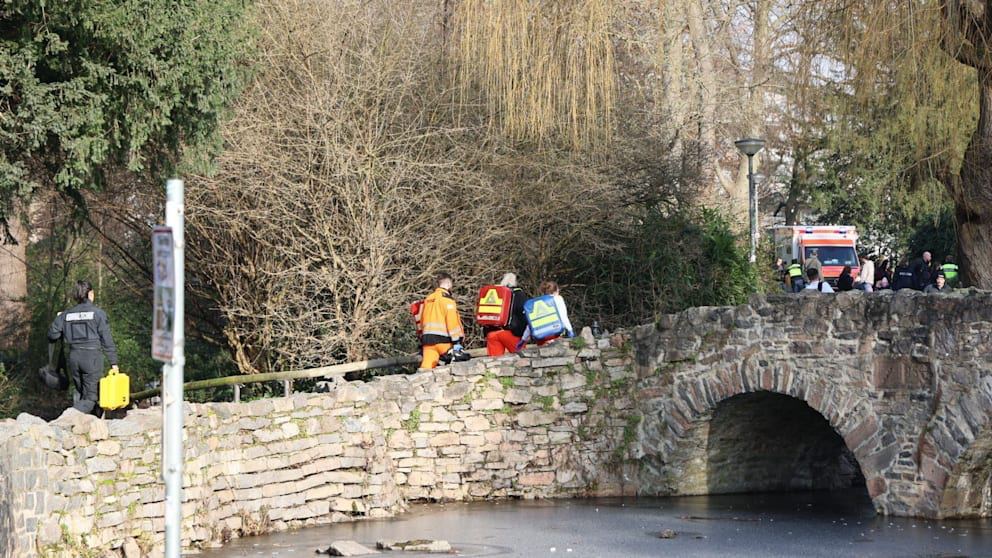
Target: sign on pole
[[164, 313]]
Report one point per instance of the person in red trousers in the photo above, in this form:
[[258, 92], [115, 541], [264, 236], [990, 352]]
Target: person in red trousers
[[502, 340]]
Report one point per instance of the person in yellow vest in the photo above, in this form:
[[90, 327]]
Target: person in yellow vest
[[950, 270], [551, 288], [442, 327], [795, 275]]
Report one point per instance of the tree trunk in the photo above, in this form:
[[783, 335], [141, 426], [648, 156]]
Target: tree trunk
[[672, 30], [972, 195], [707, 81], [14, 289], [797, 188]]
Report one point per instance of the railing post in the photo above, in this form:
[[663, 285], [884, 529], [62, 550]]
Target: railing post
[[287, 387], [237, 393]]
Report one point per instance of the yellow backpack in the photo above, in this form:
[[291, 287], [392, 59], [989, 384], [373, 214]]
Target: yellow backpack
[[115, 391]]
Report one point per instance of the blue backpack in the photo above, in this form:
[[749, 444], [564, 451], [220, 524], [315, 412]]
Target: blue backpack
[[542, 317]]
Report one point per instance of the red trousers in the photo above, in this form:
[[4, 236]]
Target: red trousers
[[544, 342], [500, 342]]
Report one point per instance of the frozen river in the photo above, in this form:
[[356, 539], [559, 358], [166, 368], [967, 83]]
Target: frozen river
[[813, 524]]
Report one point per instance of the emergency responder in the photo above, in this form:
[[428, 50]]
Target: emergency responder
[[442, 327], [86, 330], [502, 340], [950, 270], [923, 272], [795, 271], [903, 277]]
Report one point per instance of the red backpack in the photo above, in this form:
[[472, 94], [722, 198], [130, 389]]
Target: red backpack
[[492, 308], [417, 311]]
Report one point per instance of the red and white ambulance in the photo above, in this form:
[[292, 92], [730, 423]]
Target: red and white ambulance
[[835, 245]]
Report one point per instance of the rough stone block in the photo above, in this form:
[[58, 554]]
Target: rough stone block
[[446, 439], [347, 505], [552, 362], [421, 478], [572, 381], [900, 373], [348, 548], [487, 404], [99, 431], [477, 423], [100, 465], [535, 418], [543, 478], [346, 477], [518, 396]]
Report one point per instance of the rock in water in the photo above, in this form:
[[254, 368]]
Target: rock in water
[[666, 534], [348, 548], [418, 545]]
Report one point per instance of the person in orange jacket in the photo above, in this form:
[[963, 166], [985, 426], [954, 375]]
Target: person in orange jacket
[[442, 327]]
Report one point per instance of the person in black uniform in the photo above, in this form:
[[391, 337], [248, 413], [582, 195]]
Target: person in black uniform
[[86, 330], [903, 277], [923, 272]]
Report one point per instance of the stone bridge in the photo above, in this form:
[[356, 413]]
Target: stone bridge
[[822, 391], [889, 393]]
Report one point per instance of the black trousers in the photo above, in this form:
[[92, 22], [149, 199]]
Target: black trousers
[[86, 371]]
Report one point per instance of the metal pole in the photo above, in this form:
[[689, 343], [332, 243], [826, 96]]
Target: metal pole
[[172, 384], [753, 207]]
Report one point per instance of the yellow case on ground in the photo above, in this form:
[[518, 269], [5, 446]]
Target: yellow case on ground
[[115, 391]]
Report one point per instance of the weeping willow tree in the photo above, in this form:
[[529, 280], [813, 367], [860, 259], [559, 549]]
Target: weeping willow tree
[[545, 68], [888, 116], [927, 68]]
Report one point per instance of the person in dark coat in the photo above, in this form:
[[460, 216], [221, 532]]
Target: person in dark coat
[[86, 331], [903, 277], [845, 282], [923, 272], [940, 284]]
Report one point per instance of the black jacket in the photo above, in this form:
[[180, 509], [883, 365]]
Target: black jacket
[[845, 283], [518, 320], [903, 279], [923, 274], [84, 326]]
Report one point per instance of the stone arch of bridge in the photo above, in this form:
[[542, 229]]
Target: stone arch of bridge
[[674, 439]]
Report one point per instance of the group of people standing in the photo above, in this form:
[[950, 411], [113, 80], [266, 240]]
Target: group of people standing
[[440, 328], [921, 274]]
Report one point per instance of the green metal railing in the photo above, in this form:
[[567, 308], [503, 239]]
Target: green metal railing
[[287, 377]]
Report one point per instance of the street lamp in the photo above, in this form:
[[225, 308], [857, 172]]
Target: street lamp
[[750, 147]]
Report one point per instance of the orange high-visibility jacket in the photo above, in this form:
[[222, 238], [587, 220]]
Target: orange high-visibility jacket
[[439, 320]]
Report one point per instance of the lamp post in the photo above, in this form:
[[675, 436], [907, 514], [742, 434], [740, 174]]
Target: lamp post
[[750, 147]]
